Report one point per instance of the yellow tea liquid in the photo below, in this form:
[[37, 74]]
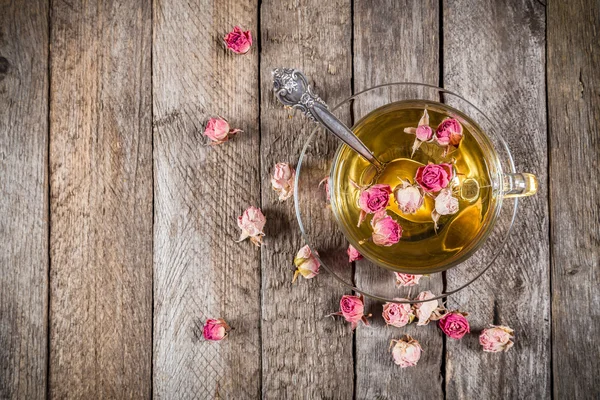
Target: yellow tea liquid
[[421, 248]]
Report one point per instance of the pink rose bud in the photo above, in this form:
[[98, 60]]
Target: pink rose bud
[[434, 177], [454, 324], [397, 315], [449, 132], [424, 133], [386, 231], [496, 338], [215, 329], [353, 254], [445, 203], [306, 264], [283, 180], [406, 352], [425, 311], [408, 198], [352, 309], [218, 130], [407, 279], [238, 41], [325, 184], [372, 199], [252, 222]]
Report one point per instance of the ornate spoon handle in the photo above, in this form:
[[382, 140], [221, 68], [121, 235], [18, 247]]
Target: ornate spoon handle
[[292, 89]]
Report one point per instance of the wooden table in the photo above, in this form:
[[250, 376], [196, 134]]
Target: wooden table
[[118, 225]]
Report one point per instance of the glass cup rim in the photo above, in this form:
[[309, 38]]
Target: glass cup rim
[[306, 236]]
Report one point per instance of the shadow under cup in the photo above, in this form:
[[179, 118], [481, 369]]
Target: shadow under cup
[[328, 232]]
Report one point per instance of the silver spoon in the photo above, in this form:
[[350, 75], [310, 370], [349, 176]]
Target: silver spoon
[[292, 89]]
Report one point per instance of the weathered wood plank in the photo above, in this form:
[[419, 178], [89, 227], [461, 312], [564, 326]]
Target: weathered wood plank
[[23, 199], [305, 355], [574, 118], [200, 272], [395, 41], [494, 56], [101, 200]]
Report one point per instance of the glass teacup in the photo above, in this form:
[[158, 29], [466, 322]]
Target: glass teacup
[[483, 179]]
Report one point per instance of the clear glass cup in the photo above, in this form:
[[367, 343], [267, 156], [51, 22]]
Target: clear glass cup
[[373, 276]]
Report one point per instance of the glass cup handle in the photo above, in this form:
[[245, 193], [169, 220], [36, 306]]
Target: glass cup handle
[[519, 185]]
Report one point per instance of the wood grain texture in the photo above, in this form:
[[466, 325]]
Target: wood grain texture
[[101, 200], [305, 354], [494, 56], [574, 118], [23, 199], [395, 41], [200, 190]]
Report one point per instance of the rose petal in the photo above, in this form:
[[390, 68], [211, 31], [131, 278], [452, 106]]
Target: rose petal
[[424, 119]]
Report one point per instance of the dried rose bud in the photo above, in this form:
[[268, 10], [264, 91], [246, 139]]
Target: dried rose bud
[[325, 183], [449, 132], [408, 197], [407, 279], [238, 41], [434, 177], [496, 338], [283, 180], [397, 314], [352, 309], [252, 222], [445, 204], [306, 264], [427, 310], [454, 324], [218, 130], [406, 352], [423, 132], [215, 329], [372, 199], [353, 254], [386, 231]]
